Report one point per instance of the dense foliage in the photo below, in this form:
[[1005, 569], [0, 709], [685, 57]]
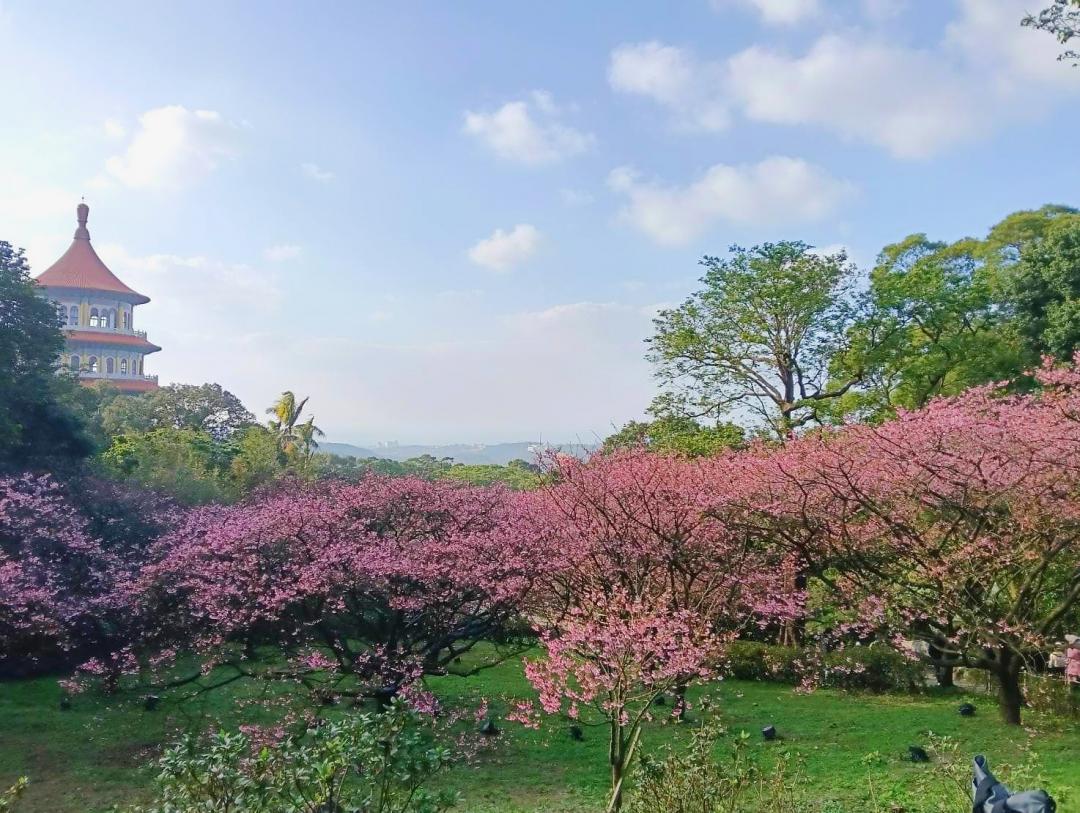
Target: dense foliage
[[362, 587], [37, 425], [641, 590], [61, 569], [206, 408], [365, 762], [956, 525], [776, 333], [762, 333]]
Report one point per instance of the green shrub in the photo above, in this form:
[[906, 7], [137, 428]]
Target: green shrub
[[371, 762], [695, 780], [873, 668], [1050, 693]]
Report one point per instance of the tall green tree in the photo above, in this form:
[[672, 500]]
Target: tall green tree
[[760, 336], [36, 425], [207, 407], [296, 439], [1043, 289], [933, 327]]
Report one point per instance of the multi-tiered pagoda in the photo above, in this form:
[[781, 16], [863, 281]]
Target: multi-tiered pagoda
[[97, 312]]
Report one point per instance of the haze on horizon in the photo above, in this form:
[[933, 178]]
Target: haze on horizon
[[454, 222]]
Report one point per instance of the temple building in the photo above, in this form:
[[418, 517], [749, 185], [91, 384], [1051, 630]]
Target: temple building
[[97, 312]]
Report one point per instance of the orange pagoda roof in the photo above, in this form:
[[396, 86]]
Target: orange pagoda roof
[[124, 339], [81, 267]]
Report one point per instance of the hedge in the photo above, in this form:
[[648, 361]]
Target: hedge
[[874, 668]]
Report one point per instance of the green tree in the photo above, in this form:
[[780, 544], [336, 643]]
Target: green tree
[[760, 335], [36, 424], [296, 440], [186, 464], [519, 475], [933, 327], [677, 434], [207, 407], [1043, 289], [257, 459]]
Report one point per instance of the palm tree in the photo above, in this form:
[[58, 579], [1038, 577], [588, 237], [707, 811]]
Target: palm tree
[[295, 439]]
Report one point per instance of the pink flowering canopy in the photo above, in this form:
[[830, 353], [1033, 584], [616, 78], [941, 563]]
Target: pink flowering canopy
[[643, 588], [374, 583], [57, 582], [958, 524]]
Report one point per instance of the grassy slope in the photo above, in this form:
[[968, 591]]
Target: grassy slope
[[96, 754]]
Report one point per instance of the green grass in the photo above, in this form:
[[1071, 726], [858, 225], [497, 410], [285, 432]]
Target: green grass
[[101, 751]]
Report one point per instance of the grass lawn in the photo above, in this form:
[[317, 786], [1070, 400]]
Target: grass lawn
[[101, 752]]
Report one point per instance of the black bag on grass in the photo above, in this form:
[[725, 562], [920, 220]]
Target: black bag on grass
[[993, 797]]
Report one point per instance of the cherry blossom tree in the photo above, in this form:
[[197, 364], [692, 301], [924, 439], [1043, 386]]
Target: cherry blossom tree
[[641, 592], [361, 587], [957, 525], [56, 578]]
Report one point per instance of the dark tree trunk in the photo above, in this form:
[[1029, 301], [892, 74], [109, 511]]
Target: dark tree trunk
[[1010, 695], [792, 632], [943, 673], [615, 759], [944, 676]]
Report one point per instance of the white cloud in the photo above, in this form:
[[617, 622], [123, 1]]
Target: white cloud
[[673, 77], [527, 132], [181, 282], [777, 12], [774, 191], [114, 129], [504, 250], [172, 146], [282, 253], [985, 72], [898, 98], [316, 173], [1018, 61], [575, 197]]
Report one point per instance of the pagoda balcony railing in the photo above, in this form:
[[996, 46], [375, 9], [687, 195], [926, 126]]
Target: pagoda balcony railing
[[124, 330], [116, 376]]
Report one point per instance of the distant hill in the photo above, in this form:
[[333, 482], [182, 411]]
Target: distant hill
[[470, 454]]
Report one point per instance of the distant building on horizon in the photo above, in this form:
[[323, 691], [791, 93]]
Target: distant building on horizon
[[97, 313]]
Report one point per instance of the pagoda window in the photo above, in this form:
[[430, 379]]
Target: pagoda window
[[93, 364], [75, 363], [124, 316], [94, 319], [123, 366], [73, 315], [110, 365], [112, 318], [61, 311]]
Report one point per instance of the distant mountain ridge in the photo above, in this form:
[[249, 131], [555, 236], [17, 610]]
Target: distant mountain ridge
[[470, 454]]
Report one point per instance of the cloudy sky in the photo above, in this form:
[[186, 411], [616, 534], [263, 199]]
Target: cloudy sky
[[454, 221]]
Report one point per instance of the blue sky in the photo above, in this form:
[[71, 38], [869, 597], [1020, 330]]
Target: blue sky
[[454, 221]]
